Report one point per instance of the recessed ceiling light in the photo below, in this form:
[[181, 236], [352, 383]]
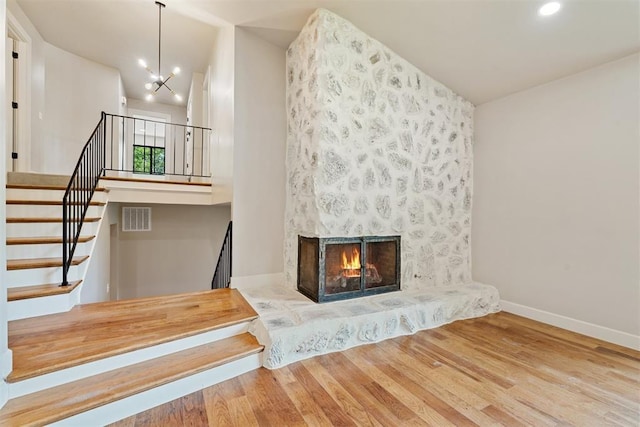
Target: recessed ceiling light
[[549, 8]]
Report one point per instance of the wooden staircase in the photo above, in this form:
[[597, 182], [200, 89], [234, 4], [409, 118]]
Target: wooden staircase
[[95, 364], [34, 248], [102, 362]]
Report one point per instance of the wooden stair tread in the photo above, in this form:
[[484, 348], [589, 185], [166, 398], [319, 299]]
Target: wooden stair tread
[[23, 264], [46, 202], [154, 181], [43, 187], [66, 400], [95, 331], [33, 220], [43, 240], [37, 291]]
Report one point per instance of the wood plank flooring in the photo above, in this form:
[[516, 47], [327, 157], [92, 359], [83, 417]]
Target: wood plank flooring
[[37, 291], [497, 370], [49, 240], [154, 181], [28, 263], [93, 331]]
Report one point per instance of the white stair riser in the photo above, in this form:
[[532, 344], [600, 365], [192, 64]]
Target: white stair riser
[[39, 276], [45, 211], [42, 382], [146, 400], [45, 229], [22, 194], [32, 307], [44, 251]]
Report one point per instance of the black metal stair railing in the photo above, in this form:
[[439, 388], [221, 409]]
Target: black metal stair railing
[[79, 192], [133, 145], [222, 275]]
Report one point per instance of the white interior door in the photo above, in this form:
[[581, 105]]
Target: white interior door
[[9, 99]]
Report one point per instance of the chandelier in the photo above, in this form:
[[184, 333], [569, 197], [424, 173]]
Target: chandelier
[[158, 81]]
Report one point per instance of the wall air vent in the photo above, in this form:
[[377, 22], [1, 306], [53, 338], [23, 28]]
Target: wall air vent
[[136, 219]]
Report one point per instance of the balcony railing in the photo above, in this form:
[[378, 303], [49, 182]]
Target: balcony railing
[[129, 144], [143, 146]]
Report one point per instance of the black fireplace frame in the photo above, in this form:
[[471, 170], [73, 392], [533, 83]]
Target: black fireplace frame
[[318, 293]]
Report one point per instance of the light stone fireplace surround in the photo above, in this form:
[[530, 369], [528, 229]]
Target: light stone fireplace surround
[[374, 147]]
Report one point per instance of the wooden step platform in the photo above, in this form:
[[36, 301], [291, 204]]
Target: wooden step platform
[[92, 332], [66, 400], [47, 202], [43, 187], [154, 181], [49, 240], [37, 220], [37, 291], [24, 264]]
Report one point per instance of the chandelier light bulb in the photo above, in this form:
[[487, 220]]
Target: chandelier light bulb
[[178, 97], [550, 8], [142, 63], [176, 70], [148, 86], [161, 78], [149, 97]]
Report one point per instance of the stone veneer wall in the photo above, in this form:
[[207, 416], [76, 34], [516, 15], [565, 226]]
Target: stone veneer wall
[[376, 147]]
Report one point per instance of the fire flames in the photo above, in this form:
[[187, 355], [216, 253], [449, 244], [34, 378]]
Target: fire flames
[[351, 266]]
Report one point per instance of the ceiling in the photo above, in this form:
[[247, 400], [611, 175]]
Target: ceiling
[[482, 49]]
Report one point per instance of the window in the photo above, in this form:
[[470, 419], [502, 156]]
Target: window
[[148, 159], [149, 144]]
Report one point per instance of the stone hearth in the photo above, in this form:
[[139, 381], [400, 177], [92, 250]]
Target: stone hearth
[[292, 327]]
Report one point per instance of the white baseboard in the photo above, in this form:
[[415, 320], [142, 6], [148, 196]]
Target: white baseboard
[[595, 331], [257, 280], [4, 393]]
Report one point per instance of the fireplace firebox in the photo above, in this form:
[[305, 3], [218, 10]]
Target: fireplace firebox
[[337, 268]]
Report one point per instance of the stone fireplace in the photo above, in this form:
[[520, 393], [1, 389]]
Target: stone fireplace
[[336, 268], [375, 147], [378, 188]]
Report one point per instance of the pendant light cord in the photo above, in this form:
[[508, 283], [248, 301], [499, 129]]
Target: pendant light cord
[[160, 6]]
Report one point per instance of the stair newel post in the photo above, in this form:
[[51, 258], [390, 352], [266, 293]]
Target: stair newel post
[[104, 145], [65, 236]]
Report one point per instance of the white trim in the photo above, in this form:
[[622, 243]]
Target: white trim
[[4, 393], [257, 280], [140, 402], [6, 363], [32, 307], [592, 330], [41, 382]]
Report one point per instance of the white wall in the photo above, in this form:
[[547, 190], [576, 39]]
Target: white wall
[[194, 104], [122, 94], [5, 353], [259, 156], [556, 198], [77, 90], [221, 92], [179, 254], [178, 113], [96, 285]]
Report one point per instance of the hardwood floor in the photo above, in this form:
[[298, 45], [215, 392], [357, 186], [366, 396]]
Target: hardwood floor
[[497, 370]]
